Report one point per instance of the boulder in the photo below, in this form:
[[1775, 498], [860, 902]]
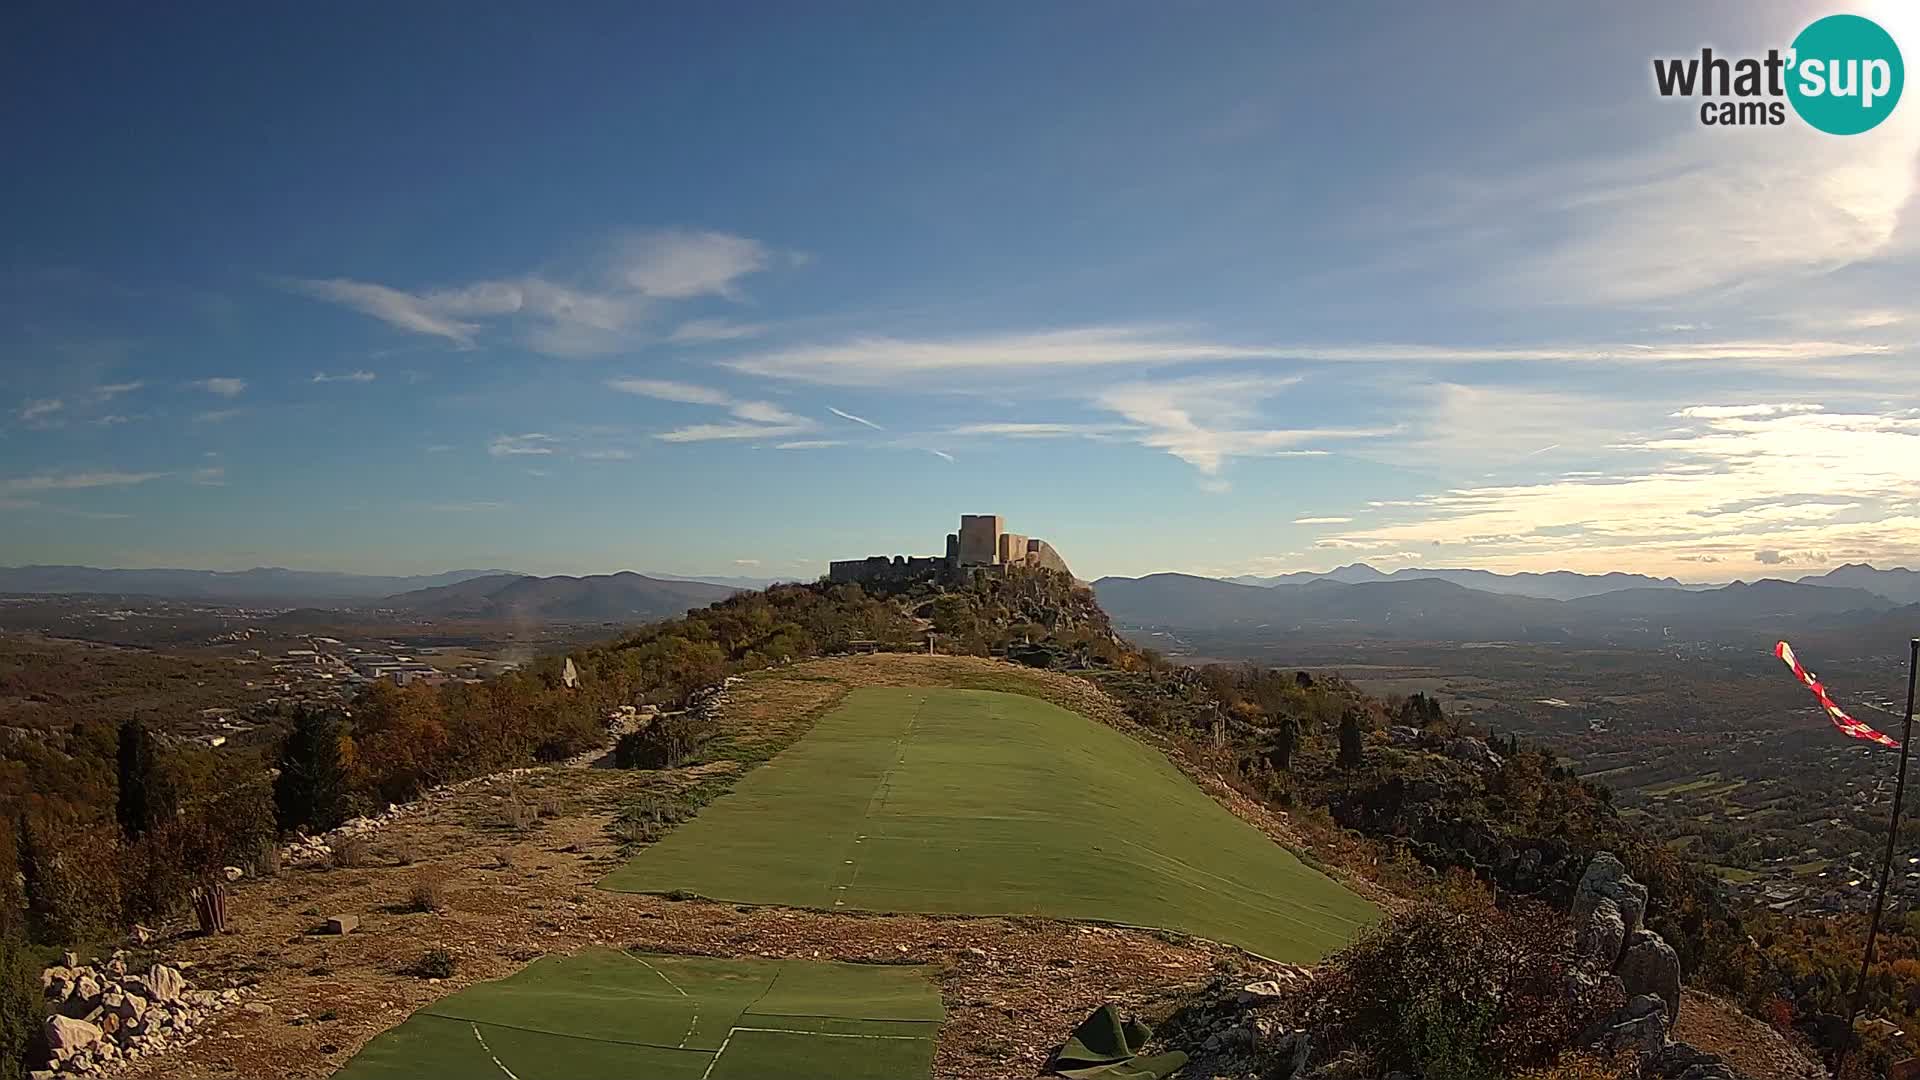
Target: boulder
[[164, 984], [1600, 934], [67, 1036], [343, 924], [87, 988], [1606, 879], [1648, 965]]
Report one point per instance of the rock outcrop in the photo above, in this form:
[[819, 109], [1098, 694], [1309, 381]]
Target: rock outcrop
[[102, 1016], [1611, 942]]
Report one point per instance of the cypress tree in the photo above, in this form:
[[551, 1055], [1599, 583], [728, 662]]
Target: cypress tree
[[311, 790]]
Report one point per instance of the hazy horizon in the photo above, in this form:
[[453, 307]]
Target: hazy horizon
[[720, 296]]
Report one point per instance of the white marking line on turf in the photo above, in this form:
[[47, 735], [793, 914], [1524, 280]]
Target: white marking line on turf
[[656, 971], [489, 1050], [790, 1031]]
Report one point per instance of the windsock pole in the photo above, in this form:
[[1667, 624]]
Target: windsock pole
[[1886, 864]]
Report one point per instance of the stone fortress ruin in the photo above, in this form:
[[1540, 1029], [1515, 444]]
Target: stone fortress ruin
[[983, 545]]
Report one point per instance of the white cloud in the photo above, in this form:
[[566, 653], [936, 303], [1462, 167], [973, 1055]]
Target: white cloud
[[712, 432], [216, 416], [1729, 484], [665, 390], [112, 390], [1040, 430], [678, 264], [809, 444], [211, 476], [765, 412], [882, 361], [746, 562], [855, 419], [601, 307], [613, 454], [671, 391], [1206, 421], [941, 454], [226, 386], [391, 306], [1321, 520], [345, 376], [39, 410], [694, 331], [1728, 412], [110, 420], [531, 444], [71, 481]]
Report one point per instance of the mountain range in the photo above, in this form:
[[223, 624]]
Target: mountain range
[[276, 586], [1900, 585], [1437, 609], [598, 597]]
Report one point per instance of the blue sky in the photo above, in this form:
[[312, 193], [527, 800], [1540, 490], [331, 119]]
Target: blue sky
[[1221, 288]]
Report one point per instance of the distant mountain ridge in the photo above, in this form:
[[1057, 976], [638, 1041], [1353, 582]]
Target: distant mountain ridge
[[1437, 609], [1898, 583], [1553, 585], [260, 584], [594, 598]]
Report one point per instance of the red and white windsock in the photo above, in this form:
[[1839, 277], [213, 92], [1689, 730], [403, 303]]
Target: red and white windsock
[[1847, 724]]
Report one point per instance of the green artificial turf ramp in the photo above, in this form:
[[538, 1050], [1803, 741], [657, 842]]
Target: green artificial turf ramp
[[604, 1013], [984, 803]]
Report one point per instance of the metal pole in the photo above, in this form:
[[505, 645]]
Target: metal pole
[[1886, 867]]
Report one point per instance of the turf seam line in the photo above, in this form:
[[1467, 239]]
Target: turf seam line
[[831, 1034], [562, 1034], [656, 971], [496, 1060]]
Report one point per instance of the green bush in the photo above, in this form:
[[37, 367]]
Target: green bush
[[434, 964], [664, 744], [1459, 989], [22, 1046]]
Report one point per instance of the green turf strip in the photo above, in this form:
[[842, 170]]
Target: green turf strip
[[976, 802], [604, 1013]]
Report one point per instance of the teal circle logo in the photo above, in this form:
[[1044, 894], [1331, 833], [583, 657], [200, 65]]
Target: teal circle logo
[[1846, 74]]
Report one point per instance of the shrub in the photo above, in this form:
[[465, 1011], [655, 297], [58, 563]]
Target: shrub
[[666, 743], [72, 876], [434, 964], [20, 1011], [518, 814], [349, 852], [429, 892], [1459, 989]]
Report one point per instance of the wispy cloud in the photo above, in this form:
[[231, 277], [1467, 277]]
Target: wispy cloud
[[1206, 421], [665, 390], [762, 419], [224, 385], [216, 416], [701, 330], [211, 476], [40, 410], [600, 308], [533, 444], [72, 481], [856, 419], [1040, 430], [809, 444], [345, 376], [941, 454], [608, 454], [1321, 520], [113, 390]]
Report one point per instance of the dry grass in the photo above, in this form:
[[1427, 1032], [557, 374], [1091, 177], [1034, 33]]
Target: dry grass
[[349, 852]]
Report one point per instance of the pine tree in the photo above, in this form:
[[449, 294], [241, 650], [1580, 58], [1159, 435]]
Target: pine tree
[[1289, 741], [311, 790], [143, 800], [1352, 751]]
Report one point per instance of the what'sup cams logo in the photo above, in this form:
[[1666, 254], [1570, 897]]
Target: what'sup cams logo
[[1842, 75]]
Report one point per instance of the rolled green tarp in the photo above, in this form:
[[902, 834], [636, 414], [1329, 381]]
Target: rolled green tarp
[[1104, 1047]]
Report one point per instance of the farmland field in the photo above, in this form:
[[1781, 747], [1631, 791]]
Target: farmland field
[[985, 803]]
